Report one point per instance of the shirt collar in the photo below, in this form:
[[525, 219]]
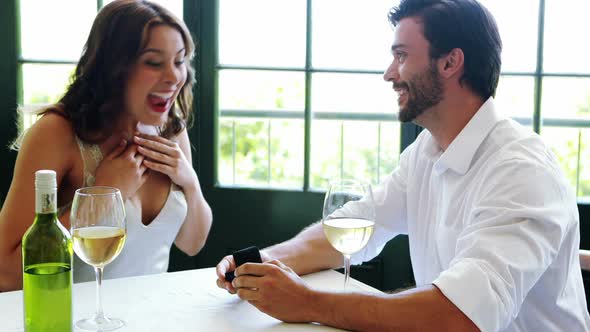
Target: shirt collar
[[462, 149]]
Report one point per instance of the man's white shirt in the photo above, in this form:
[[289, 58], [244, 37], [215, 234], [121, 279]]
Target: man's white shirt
[[492, 222]]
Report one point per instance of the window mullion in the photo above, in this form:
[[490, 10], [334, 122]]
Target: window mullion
[[537, 120], [308, 117]]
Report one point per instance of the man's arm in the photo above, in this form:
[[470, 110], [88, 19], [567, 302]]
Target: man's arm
[[421, 309], [307, 252], [277, 291]]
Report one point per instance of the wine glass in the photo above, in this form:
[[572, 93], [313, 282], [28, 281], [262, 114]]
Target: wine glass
[[348, 218], [98, 232]]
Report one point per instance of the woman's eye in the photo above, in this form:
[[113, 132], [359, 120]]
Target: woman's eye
[[179, 63], [153, 63]]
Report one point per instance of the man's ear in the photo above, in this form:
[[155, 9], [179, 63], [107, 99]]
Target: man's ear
[[451, 63]]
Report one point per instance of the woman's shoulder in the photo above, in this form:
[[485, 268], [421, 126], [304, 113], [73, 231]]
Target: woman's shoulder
[[48, 144], [52, 131]]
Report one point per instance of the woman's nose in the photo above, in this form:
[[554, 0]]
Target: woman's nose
[[174, 74]]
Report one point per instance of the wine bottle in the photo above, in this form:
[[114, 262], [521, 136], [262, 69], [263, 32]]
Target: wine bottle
[[47, 263]]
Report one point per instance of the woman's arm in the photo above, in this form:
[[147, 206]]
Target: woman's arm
[[174, 159], [195, 229], [47, 145]]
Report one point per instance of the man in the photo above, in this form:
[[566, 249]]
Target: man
[[492, 224]]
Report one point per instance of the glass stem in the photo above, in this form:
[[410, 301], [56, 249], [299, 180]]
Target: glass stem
[[99, 315], [346, 269]]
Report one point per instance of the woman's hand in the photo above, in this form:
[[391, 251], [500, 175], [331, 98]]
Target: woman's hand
[[165, 156], [122, 168]]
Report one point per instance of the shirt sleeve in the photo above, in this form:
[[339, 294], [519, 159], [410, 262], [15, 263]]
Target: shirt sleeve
[[514, 234]]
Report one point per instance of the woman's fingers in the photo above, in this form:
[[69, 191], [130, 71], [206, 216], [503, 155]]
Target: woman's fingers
[[158, 143], [158, 167], [117, 151], [153, 155]]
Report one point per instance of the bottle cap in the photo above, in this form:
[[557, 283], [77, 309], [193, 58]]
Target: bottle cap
[[45, 179]]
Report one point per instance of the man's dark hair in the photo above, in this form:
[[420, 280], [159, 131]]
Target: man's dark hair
[[464, 24]]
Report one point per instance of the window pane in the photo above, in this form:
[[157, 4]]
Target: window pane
[[253, 164], [286, 153], [353, 34], [262, 32], [252, 152], [389, 150], [568, 146], [365, 93], [562, 19], [361, 149], [47, 34], [584, 180], [565, 98], [360, 156], [225, 151], [515, 97], [175, 6], [519, 39], [261, 90], [42, 84], [326, 152]]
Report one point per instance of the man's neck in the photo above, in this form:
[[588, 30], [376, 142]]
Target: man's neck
[[447, 119]]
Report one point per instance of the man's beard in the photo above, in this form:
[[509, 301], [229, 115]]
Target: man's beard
[[424, 90]]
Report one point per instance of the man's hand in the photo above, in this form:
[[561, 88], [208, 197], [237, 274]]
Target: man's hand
[[274, 289], [228, 264]]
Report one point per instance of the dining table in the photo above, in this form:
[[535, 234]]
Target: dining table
[[177, 301]]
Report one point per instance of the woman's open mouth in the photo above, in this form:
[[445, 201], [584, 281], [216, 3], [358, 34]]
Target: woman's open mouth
[[160, 102]]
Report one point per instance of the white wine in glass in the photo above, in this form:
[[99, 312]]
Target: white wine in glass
[[98, 232], [348, 218]]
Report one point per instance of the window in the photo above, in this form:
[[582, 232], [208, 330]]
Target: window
[[50, 47], [546, 85], [301, 99]]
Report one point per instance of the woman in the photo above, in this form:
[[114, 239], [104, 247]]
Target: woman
[[121, 123]]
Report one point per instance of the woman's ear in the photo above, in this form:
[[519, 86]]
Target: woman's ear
[[452, 63]]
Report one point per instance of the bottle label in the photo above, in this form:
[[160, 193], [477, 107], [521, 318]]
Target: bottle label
[[46, 201]]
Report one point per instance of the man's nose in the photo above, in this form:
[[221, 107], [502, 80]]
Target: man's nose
[[391, 74]]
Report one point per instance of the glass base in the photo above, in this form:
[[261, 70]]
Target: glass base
[[99, 324]]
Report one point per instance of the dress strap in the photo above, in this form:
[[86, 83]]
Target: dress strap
[[91, 158]]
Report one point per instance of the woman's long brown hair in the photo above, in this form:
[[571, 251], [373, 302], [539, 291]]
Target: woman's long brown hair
[[95, 98]]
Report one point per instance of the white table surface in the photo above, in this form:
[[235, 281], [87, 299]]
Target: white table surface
[[179, 301]]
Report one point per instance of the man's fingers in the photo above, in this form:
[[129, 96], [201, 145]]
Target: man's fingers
[[246, 281], [227, 264], [226, 285], [254, 269], [248, 294]]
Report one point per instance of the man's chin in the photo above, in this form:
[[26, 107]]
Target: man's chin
[[405, 115]]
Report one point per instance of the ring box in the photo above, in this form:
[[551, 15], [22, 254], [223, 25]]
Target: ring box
[[246, 255]]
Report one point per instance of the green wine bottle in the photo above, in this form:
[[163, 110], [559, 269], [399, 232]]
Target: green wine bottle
[[47, 263]]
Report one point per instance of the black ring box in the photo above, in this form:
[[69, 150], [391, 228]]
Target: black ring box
[[246, 255]]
